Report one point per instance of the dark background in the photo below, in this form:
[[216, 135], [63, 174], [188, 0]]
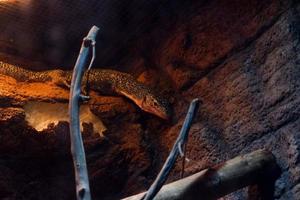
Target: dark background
[[51, 31]]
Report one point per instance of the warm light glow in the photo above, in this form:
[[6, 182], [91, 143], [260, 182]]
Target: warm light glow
[[8, 1], [39, 115], [20, 4]]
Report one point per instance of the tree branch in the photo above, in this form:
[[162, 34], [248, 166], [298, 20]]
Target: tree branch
[[215, 182], [77, 149], [176, 150]]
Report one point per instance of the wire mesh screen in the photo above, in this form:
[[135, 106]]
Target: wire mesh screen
[[51, 30]]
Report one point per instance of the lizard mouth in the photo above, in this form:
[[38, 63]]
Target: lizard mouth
[[162, 114]]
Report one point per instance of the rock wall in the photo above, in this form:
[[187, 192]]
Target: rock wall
[[241, 59]]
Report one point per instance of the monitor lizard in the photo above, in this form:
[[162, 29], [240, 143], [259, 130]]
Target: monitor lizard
[[104, 81]]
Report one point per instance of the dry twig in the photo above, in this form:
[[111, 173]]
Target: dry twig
[[77, 149], [176, 150]]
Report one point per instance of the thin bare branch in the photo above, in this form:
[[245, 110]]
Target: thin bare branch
[[77, 149], [176, 150]]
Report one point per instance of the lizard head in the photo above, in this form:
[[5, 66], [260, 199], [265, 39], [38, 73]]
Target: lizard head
[[156, 105]]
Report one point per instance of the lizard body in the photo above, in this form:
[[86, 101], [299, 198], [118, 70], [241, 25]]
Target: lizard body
[[101, 80]]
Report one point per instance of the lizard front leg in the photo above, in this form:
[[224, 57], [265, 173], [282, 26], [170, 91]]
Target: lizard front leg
[[58, 78]]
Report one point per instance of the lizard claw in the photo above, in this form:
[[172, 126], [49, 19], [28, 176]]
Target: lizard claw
[[84, 98]]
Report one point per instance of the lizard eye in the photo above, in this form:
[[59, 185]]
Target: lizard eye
[[155, 103]]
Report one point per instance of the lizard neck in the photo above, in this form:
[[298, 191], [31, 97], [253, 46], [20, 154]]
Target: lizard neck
[[115, 82]]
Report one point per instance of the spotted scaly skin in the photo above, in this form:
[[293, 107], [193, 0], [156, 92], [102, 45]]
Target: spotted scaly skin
[[109, 82]]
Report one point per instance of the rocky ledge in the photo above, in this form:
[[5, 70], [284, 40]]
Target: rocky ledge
[[37, 164]]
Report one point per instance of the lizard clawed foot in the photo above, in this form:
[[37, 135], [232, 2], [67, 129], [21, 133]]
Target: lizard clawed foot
[[63, 84], [58, 79]]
